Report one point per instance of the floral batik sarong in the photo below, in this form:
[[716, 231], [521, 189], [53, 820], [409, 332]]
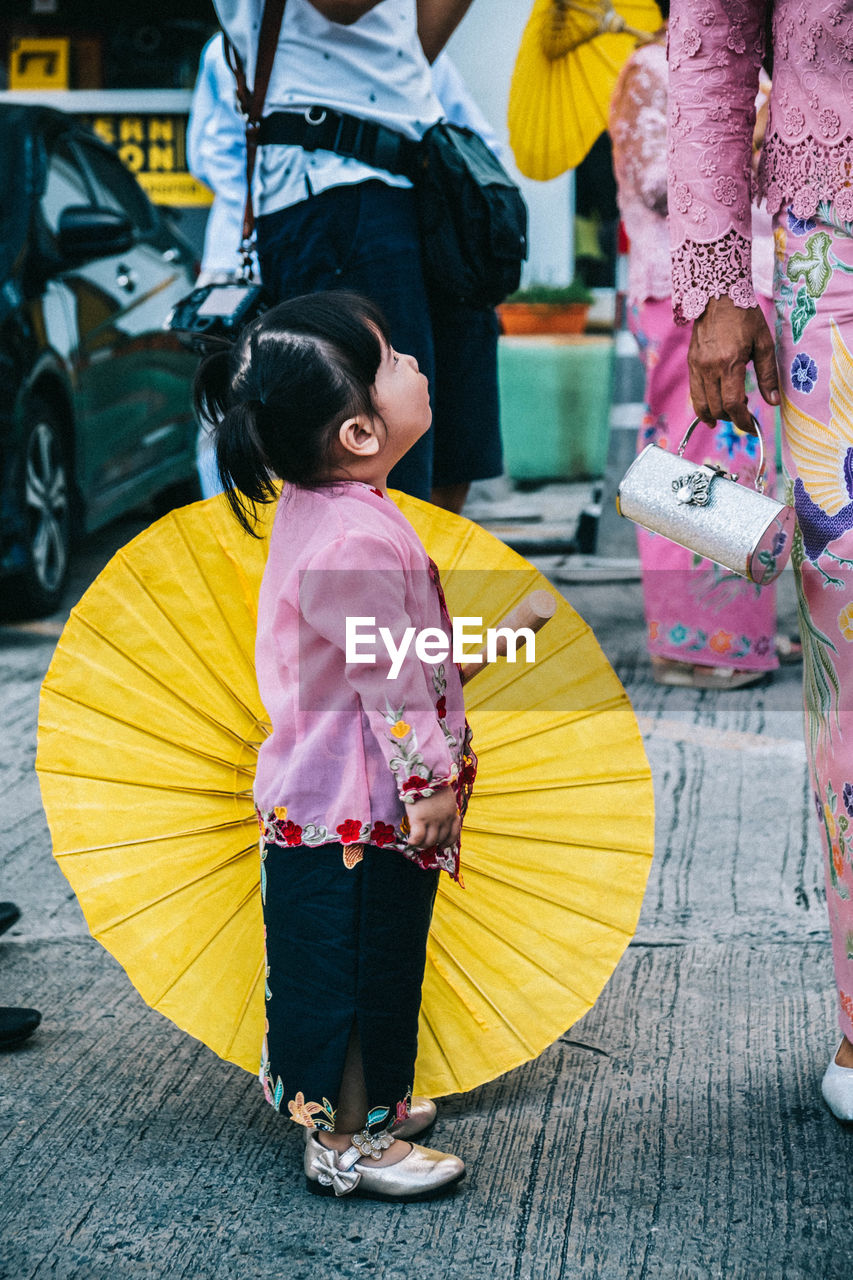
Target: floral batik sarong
[[814, 332], [345, 948], [696, 611]]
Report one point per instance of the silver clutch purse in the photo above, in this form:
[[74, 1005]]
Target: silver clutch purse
[[704, 509]]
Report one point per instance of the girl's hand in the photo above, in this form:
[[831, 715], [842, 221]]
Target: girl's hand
[[434, 820]]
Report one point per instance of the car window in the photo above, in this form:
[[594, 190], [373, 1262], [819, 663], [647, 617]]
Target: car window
[[65, 185], [115, 188]]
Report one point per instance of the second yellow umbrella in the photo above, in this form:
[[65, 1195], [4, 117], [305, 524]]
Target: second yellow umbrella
[[570, 56]]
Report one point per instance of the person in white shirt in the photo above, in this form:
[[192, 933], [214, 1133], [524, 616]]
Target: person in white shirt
[[216, 148], [325, 220], [216, 152]]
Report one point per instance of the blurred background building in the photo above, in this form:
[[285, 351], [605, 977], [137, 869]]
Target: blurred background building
[[130, 69]]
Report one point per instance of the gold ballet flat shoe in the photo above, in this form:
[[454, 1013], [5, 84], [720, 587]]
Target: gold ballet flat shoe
[[420, 1175]]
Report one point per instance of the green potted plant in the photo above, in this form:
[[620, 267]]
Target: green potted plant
[[546, 308]]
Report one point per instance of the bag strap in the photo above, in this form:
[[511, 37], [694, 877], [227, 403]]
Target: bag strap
[[319, 128], [252, 106]]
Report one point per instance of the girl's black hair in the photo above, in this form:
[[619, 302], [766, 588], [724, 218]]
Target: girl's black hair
[[275, 398]]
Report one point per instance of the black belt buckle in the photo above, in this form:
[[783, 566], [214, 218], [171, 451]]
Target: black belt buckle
[[349, 137], [318, 129]]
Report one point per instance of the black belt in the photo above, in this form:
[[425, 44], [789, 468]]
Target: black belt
[[322, 129]]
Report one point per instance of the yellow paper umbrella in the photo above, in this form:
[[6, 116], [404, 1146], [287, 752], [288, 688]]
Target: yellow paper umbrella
[[149, 726], [570, 55]]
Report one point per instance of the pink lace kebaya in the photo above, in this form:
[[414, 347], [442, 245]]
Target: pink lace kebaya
[[637, 124], [807, 159]]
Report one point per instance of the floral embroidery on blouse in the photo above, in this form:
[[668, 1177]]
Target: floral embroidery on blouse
[[278, 828], [414, 779], [354, 833], [638, 128]]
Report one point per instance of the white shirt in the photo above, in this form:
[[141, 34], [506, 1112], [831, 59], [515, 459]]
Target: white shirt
[[216, 155], [375, 69]]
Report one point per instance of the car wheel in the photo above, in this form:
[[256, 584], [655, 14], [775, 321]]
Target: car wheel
[[47, 512]]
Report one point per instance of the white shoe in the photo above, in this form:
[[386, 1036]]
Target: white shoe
[[837, 1090]]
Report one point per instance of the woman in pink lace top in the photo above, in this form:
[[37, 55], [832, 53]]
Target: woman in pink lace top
[[806, 178], [705, 627]]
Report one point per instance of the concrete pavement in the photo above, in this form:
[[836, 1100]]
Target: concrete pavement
[[676, 1132]]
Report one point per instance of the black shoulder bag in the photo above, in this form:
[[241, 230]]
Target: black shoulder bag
[[473, 219]]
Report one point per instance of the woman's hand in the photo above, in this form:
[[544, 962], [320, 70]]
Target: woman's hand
[[725, 339], [434, 820]]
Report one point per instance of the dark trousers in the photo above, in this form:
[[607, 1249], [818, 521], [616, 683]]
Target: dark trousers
[[364, 237], [345, 947]]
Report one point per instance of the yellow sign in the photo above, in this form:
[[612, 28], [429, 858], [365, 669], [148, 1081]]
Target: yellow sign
[[179, 189], [153, 147], [39, 64]]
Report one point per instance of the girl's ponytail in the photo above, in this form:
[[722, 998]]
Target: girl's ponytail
[[242, 463], [240, 457]]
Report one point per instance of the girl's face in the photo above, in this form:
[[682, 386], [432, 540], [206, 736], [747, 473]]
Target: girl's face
[[401, 397]]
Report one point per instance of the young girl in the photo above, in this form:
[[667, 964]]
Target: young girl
[[361, 785]]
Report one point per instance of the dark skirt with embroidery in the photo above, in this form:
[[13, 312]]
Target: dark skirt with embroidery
[[345, 947]]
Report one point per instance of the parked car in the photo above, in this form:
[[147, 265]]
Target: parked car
[[95, 414]]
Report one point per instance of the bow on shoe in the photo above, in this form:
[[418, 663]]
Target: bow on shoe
[[330, 1174]]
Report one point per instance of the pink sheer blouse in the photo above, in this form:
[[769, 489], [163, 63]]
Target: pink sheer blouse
[[716, 48], [638, 133], [638, 130]]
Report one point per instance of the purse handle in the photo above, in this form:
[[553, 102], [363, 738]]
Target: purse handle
[[761, 477]]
